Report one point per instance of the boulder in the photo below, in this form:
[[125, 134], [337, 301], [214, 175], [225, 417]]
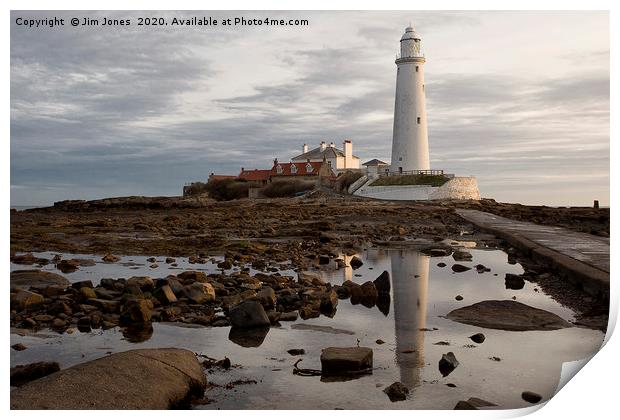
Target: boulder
[[459, 268], [67, 266], [109, 258], [323, 259], [478, 338], [105, 305], [310, 277], [37, 278], [514, 282], [165, 295], [200, 292], [25, 299], [356, 263], [193, 276], [267, 297], [296, 352], [448, 363], [507, 315], [248, 314], [83, 283], [329, 300], [19, 347], [175, 285], [143, 282], [397, 392], [289, 316], [87, 293], [22, 374], [137, 310], [369, 291], [338, 360], [382, 283], [461, 256], [154, 379]]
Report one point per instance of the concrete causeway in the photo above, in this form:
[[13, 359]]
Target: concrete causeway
[[581, 257]]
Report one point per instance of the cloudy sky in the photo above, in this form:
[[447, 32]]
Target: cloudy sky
[[519, 99]]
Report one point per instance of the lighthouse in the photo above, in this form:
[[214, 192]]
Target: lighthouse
[[410, 135]]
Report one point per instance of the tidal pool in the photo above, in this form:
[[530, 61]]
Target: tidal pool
[[410, 324]]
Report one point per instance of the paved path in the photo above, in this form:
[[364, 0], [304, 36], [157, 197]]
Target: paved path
[[583, 257]]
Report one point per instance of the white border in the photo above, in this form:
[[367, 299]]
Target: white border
[[591, 395]]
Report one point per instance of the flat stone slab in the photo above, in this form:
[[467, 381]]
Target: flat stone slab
[[336, 360], [154, 379], [507, 315], [37, 278]]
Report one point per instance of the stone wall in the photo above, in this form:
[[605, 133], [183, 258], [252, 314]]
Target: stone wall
[[458, 188]]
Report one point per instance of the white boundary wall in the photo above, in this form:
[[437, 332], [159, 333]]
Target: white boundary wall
[[458, 188]]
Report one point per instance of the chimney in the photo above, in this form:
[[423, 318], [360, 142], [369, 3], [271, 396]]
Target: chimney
[[332, 144], [347, 145], [323, 145], [242, 169], [305, 148], [275, 161]]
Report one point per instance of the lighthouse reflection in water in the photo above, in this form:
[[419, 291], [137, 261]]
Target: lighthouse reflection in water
[[409, 293]]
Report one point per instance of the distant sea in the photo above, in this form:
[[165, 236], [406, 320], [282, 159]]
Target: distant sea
[[25, 207]]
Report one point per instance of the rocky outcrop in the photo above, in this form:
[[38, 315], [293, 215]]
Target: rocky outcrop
[[507, 315], [36, 278], [154, 379]]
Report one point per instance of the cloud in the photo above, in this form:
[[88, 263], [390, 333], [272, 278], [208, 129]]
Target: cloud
[[98, 112]]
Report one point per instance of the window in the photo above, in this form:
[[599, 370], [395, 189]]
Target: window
[[309, 168], [400, 169], [417, 69], [279, 169], [400, 159], [418, 120], [293, 169]]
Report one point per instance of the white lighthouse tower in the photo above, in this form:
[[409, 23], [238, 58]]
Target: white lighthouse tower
[[410, 136]]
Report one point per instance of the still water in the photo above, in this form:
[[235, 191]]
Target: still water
[[410, 324]]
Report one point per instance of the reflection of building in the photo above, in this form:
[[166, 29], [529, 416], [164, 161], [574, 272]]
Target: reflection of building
[[410, 295]]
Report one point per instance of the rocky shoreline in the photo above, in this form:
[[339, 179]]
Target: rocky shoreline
[[252, 243]]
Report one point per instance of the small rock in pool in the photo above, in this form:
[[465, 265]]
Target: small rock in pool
[[442, 343], [478, 338], [514, 282], [531, 397], [495, 359], [296, 352], [380, 341], [397, 392], [451, 385], [459, 268], [19, 347], [448, 363], [458, 297], [356, 263], [441, 264]]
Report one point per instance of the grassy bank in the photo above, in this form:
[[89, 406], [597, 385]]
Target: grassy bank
[[433, 180]]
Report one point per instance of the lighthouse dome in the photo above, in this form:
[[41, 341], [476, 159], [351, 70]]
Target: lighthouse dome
[[410, 33]]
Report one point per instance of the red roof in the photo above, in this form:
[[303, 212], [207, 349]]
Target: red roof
[[255, 175], [296, 169]]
